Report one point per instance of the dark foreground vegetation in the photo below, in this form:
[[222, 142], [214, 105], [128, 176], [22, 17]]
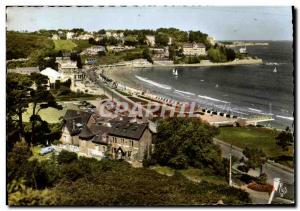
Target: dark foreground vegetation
[[65, 179]]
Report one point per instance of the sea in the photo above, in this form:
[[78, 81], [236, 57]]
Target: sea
[[243, 90]]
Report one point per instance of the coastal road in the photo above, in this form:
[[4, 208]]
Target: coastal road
[[271, 169]]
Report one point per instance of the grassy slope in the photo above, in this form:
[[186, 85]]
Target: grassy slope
[[254, 137], [111, 58], [64, 45], [193, 174]]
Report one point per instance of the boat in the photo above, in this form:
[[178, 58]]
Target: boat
[[275, 70], [217, 85], [175, 72]]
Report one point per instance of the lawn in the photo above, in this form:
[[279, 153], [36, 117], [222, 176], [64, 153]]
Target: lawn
[[50, 115], [254, 137], [64, 45], [112, 58], [192, 174]]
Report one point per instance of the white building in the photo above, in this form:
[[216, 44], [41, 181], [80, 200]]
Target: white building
[[194, 49], [94, 50], [55, 37], [211, 40], [52, 74], [119, 48], [84, 37], [66, 66], [150, 39], [160, 53], [70, 35]]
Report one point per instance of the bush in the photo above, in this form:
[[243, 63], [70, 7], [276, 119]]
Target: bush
[[243, 168], [262, 179], [66, 157], [247, 178], [56, 142]]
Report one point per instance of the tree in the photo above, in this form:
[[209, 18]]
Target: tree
[[285, 139], [41, 98], [17, 90], [216, 55], [146, 55], [131, 40], [230, 54], [66, 157], [102, 31], [182, 142], [256, 157], [17, 159], [161, 39]]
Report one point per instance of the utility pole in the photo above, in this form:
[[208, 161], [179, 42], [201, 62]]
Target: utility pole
[[230, 163]]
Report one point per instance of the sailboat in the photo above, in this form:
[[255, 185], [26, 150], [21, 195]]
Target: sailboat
[[275, 70], [175, 73]]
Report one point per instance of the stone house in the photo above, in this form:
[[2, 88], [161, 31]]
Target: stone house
[[95, 136], [194, 49]]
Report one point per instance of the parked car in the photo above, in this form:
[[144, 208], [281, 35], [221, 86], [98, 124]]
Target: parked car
[[46, 150]]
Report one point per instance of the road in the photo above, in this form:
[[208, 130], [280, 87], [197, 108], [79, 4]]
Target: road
[[272, 171]]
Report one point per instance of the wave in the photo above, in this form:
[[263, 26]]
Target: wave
[[239, 112], [256, 110], [183, 92], [286, 117], [271, 63], [213, 99], [163, 86]]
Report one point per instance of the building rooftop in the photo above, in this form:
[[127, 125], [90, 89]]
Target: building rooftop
[[73, 118], [127, 129], [86, 133]]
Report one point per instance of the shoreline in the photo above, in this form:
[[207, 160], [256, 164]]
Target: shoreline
[[203, 63]]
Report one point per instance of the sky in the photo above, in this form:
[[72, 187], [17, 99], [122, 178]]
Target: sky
[[223, 23]]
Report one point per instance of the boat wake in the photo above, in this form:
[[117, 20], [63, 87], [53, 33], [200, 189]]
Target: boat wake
[[271, 63], [153, 83], [183, 92], [213, 99], [255, 110], [286, 117]]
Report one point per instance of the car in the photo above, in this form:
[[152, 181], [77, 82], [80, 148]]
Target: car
[[46, 150]]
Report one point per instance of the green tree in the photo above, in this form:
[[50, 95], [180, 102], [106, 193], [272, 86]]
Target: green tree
[[102, 31], [66, 157], [131, 40], [17, 159], [285, 139], [161, 39], [216, 55], [146, 55], [17, 89], [182, 142], [256, 157], [41, 98]]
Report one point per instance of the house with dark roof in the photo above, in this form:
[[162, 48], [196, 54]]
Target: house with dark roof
[[96, 136], [74, 121]]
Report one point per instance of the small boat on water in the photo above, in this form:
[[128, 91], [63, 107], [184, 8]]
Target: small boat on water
[[217, 85], [175, 72], [275, 70]]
